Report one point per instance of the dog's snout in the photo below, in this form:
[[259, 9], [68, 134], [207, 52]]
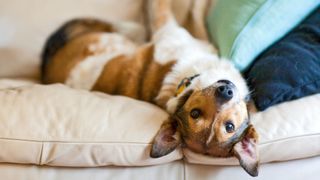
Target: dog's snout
[[225, 92]]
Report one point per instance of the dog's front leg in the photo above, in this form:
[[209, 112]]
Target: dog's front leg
[[195, 23], [163, 25], [159, 14]]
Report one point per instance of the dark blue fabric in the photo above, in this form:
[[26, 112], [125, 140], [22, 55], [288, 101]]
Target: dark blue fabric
[[289, 69]]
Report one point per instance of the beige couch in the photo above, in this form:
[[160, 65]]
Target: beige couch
[[74, 134]]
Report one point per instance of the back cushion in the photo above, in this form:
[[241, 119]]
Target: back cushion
[[25, 25], [242, 29], [289, 69]]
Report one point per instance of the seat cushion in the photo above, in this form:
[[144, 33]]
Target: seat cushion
[[59, 126], [289, 69], [242, 29]]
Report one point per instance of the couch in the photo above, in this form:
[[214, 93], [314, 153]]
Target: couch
[[55, 132]]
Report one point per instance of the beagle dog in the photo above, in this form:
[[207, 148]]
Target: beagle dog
[[204, 95]]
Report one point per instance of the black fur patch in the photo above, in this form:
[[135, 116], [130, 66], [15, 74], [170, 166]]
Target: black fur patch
[[53, 44], [183, 99], [180, 114]]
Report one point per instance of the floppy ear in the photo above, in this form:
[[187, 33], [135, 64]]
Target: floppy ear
[[166, 140], [247, 152]]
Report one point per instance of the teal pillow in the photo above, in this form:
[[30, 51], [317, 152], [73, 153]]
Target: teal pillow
[[242, 29]]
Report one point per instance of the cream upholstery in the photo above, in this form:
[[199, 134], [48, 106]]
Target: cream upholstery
[[59, 126], [177, 170], [25, 25]]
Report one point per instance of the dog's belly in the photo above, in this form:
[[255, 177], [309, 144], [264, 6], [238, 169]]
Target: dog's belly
[[111, 64], [138, 76]]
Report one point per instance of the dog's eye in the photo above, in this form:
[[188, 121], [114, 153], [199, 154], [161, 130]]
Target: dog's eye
[[229, 127], [195, 113]]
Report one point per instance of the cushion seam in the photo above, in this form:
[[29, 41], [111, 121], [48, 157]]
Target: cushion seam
[[288, 138], [41, 153], [138, 143], [73, 142]]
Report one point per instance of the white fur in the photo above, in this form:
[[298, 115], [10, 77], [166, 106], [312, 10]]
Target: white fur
[[211, 132], [172, 42], [85, 74], [133, 31], [193, 57]]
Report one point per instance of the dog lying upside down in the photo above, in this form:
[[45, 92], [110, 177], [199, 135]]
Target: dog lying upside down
[[204, 95]]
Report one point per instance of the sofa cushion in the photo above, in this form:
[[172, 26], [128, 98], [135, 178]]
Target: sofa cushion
[[25, 25], [242, 29], [59, 126], [290, 68], [24, 30], [287, 131]]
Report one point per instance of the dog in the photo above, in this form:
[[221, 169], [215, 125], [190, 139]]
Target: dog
[[205, 95]]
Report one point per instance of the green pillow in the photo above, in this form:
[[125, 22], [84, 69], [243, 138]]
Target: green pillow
[[242, 29]]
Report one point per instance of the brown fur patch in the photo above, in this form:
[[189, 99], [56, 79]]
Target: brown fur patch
[[252, 134], [138, 77], [195, 22], [82, 26], [196, 131], [236, 114], [161, 13]]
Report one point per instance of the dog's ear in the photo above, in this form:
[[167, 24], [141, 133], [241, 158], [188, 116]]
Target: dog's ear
[[166, 140], [247, 153]]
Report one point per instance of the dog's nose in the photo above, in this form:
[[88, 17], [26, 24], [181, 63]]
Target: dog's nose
[[225, 92]]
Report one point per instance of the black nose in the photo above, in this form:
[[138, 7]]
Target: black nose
[[225, 92]]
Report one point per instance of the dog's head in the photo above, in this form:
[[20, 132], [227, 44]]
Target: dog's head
[[212, 120]]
